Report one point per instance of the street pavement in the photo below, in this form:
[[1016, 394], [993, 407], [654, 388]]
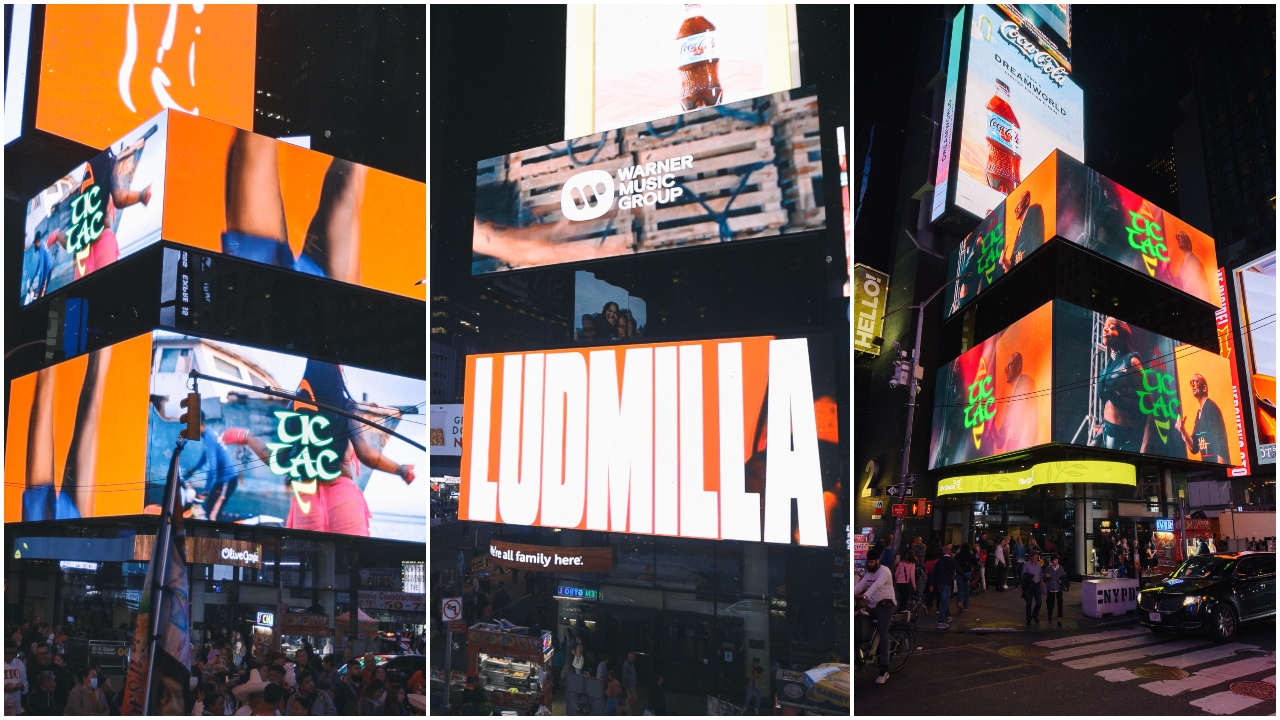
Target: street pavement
[[989, 662]]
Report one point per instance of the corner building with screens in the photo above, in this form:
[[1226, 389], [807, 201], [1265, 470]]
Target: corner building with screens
[[215, 357], [648, 307]]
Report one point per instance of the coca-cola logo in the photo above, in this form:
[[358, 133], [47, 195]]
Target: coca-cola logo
[[1040, 58], [694, 48]]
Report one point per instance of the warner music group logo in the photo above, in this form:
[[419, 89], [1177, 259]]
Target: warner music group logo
[[590, 194]]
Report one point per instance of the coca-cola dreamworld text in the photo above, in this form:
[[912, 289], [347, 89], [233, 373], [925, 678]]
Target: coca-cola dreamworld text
[[655, 439]]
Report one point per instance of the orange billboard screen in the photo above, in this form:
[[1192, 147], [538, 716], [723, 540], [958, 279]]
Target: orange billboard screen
[[260, 199], [710, 439], [107, 68]]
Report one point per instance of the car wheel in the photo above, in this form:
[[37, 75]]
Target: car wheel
[[1224, 622]]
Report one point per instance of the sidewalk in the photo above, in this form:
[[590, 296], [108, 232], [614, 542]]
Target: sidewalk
[[998, 612]]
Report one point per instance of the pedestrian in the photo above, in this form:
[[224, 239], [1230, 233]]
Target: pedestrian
[[602, 669], [876, 588], [579, 662], [612, 692], [1019, 556], [657, 698], [629, 680], [42, 700], [1033, 585], [87, 698], [904, 579], [15, 679], [917, 546], [755, 684], [371, 698], [1000, 564], [983, 556], [1054, 577], [940, 581], [530, 582], [968, 565]]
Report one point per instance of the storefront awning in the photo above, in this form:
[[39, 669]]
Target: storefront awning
[[1049, 473]]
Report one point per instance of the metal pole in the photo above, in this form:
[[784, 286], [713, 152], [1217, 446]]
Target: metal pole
[[160, 557], [896, 538], [448, 665]]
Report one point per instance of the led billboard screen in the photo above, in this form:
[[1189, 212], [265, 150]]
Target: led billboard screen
[[1019, 105], [750, 169], [1063, 198], [1068, 375], [1256, 298], [241, 194], [107, 68], [605, 312], [92, 437], [753, 48], [709, 439]]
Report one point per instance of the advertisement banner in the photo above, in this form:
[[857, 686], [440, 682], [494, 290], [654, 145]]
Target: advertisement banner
[[92, 437], [101, 211], [415, 578], [605, 312], [381, 578], [1256, 304], [106, 68], [446, 429], [676, 59], [870, 294], [550, 558], [1227, 349], [1049, 473], [946, 140], [1063, 198], [706, 439], [995, 398], [1020, 105], [749, 169], [207, 551], [392, 600]]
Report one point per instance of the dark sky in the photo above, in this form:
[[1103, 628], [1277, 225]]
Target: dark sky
[[1132, 63]]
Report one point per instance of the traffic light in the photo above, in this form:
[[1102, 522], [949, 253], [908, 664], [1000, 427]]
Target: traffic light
[[191, 418]]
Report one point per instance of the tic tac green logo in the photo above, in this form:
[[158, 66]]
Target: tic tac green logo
[[87, 215], [1145, 237], [1159, 399], [981, 405], [303, 466], [990, 247]]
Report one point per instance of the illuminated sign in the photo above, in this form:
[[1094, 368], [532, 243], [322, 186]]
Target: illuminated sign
[[415, 578], [749, 169], [604, 312], [93, 436], [1227, 348], [446, 430], [551, 558], [1164, 525], [942, 179], [571, 592], [266, 618], [115, 204], [753, 48], [870, 294], [1256, 303], [392, 600], [1019, 106], [710, 439], [1050, 473], [1066, 375], [106, 68], [1062, 199]]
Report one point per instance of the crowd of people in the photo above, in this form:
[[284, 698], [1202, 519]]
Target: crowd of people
[[227, 678]]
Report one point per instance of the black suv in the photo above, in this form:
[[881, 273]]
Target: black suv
[[1216, 592]]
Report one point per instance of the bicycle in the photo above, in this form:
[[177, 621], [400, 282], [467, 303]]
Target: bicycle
[[902, 642]]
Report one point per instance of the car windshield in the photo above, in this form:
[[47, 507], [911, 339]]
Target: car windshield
[[1203, 567]]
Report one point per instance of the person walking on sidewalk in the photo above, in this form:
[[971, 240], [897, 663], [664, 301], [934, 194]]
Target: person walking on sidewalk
[[999, 580], [940, 580], [1054, 577], [629, 680], [1033, 586], [1019, 557], [904, 579], [755, 685], [968, 565]]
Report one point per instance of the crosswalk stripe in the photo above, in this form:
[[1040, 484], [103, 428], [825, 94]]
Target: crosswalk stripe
[[1212, 676], [1225, 703], [1203, 656], [1108, 658], [1072, 652], [1093, 637], [1117, 675]]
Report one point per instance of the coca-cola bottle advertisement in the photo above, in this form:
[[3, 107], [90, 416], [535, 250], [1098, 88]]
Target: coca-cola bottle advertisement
[[654, 61], [1020, 105]]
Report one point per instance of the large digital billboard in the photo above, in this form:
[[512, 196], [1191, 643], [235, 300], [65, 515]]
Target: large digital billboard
[[1063, 198], [106, 68], [1256, 301], [1071, 376], [750, 169], [1020, 104], [709, 439], [92, 437], [602, 311], [245, 195], [676, 59]]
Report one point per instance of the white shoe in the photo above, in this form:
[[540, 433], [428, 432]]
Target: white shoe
[[882, 678]]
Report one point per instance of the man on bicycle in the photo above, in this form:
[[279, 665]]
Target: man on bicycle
[[876, 588]]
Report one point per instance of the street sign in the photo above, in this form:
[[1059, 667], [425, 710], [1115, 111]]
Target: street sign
[[458, 626], [900, 510], [893, 490], [451, 609], [911, 479]]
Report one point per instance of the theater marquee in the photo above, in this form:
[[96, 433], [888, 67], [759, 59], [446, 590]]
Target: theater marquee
[[709, 439]]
